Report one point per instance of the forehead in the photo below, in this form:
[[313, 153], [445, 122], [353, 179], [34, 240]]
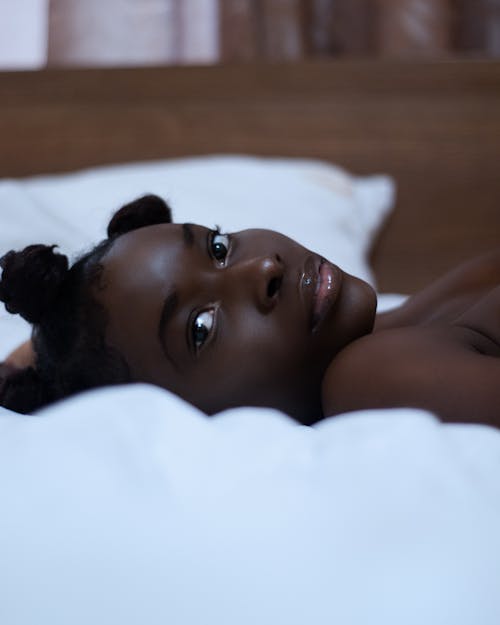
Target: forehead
[[137, 258], [138, 272], [143, 240], [147, 254]]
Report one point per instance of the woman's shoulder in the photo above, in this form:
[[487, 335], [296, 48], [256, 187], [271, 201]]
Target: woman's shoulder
[[383, 369], [444, 368]]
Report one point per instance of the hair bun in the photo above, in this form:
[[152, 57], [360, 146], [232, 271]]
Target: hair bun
[[148, 210], [31, 280]]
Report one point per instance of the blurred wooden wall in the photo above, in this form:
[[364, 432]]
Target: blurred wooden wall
[[164, 32]]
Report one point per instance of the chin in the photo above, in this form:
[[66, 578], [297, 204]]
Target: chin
[[365, 303], [354, 314]]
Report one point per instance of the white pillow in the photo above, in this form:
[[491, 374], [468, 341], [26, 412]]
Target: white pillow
[[320, 205], [128, 506]]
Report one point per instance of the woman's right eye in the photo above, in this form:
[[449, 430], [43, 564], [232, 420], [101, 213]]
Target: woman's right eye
[[202, 327], [219, 246]]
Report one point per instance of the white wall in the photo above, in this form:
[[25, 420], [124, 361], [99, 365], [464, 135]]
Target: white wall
[[23, 33], [132, 32], [107, 32]]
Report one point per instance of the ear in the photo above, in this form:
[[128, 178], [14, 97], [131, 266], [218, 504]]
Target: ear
[[148, 210]]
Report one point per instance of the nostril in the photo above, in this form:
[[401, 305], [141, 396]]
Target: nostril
[[273, 287]]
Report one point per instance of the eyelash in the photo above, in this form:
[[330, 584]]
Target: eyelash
[[210, 312], [216, 232]]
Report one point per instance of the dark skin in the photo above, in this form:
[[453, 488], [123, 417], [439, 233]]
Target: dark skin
[[270, 324], [259, 349], [439, 351]]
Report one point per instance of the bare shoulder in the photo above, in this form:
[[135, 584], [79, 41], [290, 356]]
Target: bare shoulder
[[444, 369]]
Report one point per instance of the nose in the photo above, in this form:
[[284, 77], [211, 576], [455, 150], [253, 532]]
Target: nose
[[261, 278]]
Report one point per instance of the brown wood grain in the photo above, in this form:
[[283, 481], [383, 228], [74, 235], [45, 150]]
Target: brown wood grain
[[434, 126]]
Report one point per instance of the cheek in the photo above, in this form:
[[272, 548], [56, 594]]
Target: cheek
[[254, 360]]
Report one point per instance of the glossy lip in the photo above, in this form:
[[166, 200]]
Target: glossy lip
[[307, 284], [319, 286]]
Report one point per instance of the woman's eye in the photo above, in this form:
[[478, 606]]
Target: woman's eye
[[202, 327], [219, 246]]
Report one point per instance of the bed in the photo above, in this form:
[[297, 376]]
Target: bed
[[126, 505]]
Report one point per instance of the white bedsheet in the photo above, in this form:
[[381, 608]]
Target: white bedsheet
[[128, 506]]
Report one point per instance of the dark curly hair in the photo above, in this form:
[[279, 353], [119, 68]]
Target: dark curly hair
[[68, 335]]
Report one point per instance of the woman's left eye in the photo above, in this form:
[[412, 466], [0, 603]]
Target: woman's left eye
[[202, 327], [219, 246]]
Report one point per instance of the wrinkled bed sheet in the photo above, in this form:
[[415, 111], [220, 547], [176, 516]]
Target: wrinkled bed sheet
[[126, 506]]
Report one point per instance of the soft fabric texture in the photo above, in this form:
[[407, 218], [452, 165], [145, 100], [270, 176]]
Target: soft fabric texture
[[128, 506]]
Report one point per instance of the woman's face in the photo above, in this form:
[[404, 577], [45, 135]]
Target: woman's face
[[247, 319]]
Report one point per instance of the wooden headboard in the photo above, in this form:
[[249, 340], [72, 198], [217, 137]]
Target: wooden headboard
[[434, 126]]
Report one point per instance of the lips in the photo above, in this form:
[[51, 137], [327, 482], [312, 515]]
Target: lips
[[321, 283]]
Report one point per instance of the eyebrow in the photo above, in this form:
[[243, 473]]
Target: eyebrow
[[171, 301], [188, 235], [167, 312]]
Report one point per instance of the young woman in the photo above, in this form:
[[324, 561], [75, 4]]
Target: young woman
[[250, 318]]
